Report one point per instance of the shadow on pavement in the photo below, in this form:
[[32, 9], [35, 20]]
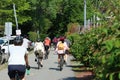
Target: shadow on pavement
[[70, 78], [57, 69], [34, 67], [74, 66]]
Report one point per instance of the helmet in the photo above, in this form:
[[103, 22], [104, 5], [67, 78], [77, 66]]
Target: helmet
[[38, 40], [18, 40], [61, 38]]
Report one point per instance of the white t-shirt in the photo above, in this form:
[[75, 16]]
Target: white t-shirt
[[17, 54], [25, 43], [39, 46]]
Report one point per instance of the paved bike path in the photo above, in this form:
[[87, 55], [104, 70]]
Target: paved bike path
[[50, 71]]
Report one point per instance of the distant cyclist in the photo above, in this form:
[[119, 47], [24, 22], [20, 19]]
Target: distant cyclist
[[55, 40], [18, 59], [47, 43], [39, 50], [26, 42], [61, 48]]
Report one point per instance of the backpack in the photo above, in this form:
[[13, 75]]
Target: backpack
[[61, 46], [39, 53]]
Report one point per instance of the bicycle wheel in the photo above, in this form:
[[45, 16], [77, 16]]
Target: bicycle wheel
[[46, 54], [2, 59], [39, 64], [17, 76], [61, 62]]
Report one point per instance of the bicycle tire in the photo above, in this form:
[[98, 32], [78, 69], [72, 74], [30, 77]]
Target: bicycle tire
[[61, 62], [17, 76], [2, 59], [38, 63], [46, 54]]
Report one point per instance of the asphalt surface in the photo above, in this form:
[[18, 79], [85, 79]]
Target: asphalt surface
[[49, 71]]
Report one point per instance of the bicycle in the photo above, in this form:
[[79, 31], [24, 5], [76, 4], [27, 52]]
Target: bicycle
[[2, 56], [17, 77], [39, 62], [46, 54], [61, 63]]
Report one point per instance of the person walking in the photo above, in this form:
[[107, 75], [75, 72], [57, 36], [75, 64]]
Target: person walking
[[18, 59]]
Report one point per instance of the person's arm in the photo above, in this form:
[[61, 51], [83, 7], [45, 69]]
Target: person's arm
[[26, 59], [66, 46], [43, 48], [27, 63]]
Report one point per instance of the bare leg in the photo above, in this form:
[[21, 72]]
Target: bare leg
[[65, 57]]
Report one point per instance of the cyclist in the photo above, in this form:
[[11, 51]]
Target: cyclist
[[62, 50], [18, 59], [26, 42], [47, 43], [39, 50], [55, 40]]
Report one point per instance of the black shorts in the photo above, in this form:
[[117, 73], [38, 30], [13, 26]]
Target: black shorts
[[12, 68], [46, 48]]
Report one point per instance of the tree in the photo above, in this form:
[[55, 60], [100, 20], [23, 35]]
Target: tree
[[7, 13]]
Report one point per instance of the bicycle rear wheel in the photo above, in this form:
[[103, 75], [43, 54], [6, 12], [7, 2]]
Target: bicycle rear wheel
[[46, 54], [17, 77], [2, 59], [61, 62], [38, 62]]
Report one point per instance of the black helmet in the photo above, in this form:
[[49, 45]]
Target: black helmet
[[38, 40], [18, 40]]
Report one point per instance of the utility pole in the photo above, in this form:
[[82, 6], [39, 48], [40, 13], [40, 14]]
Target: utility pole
[[15, 17], [84, 14]]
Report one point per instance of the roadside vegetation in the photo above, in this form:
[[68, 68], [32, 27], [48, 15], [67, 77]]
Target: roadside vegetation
[[99, 48]]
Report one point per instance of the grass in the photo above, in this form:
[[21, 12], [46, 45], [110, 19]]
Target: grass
[[3, 66]]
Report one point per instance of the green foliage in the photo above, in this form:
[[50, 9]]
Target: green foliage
[[7, 14], [33, 36], [100, 49]]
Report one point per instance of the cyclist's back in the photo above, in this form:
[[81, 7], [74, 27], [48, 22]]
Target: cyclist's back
[[18, 59], [39, 50], [62, 50], [47, 43]]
